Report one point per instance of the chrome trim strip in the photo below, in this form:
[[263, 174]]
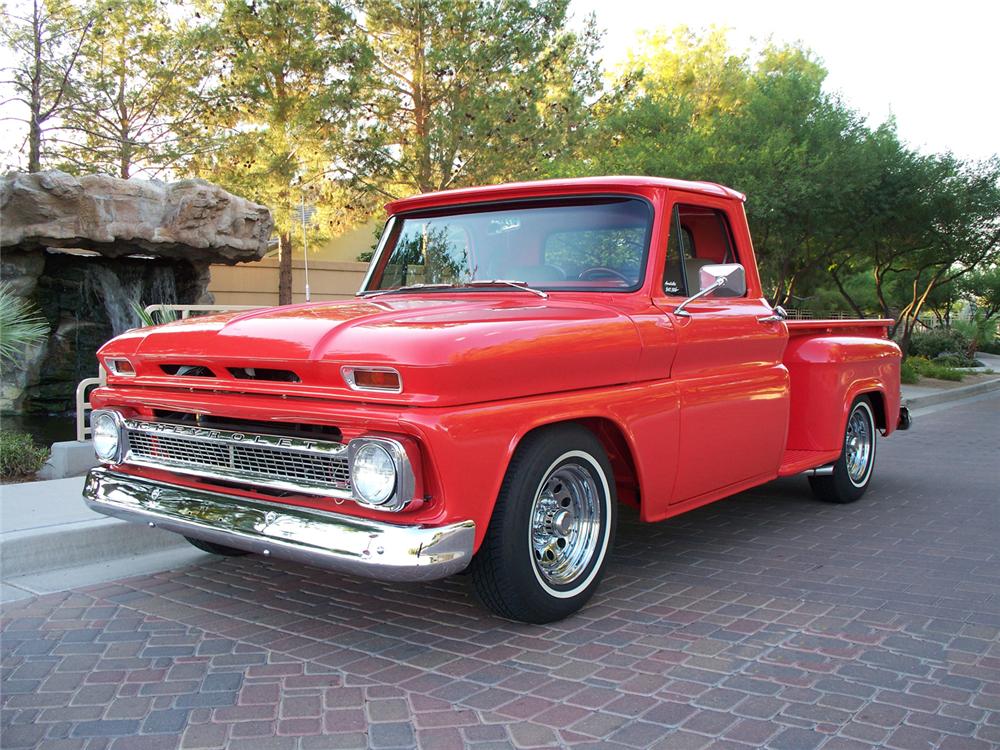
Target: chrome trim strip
[[377, 256], [355, 546]]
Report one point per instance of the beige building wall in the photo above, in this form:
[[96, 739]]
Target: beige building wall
[[334, 272], [347, 246], [257, 283]]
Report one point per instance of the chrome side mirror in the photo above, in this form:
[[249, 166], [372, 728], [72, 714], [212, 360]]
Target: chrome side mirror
[[721, 280], [733, 275]]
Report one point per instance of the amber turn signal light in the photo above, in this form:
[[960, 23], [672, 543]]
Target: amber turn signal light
[[120, 366], [372, 379]]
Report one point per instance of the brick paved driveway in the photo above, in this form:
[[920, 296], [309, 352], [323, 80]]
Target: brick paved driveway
[[768, 619]]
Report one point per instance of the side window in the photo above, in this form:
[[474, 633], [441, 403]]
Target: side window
[[699, 236]]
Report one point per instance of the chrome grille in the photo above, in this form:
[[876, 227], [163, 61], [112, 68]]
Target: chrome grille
[[311, 466]]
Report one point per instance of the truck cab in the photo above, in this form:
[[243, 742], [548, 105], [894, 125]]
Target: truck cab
[[519, 360]]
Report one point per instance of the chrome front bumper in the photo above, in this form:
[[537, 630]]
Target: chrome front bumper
[[338, 542]]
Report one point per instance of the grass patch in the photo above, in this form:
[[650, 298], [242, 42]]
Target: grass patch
[[908, 374]]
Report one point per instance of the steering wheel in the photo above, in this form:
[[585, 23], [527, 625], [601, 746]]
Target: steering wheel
[[601, 272]]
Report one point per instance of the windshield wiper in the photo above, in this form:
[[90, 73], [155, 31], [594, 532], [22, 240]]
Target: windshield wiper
[[410, 288], [522, 285]]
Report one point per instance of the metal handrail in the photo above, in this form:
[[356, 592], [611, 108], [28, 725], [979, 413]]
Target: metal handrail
[[186, 310], [83, 404]]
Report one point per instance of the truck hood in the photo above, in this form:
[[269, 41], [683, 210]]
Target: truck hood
[[450, 348]]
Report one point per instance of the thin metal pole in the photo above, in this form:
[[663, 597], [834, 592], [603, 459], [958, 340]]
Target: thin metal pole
[[305, 244]]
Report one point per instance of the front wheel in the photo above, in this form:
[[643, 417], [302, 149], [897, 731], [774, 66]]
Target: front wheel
[[551, 532], [853, 470]]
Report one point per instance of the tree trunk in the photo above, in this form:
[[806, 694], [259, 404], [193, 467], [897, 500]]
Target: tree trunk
[[843, 293], [285, 268], [35, 125]]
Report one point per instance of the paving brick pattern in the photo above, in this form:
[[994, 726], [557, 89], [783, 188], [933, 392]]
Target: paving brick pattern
[[769, 619]]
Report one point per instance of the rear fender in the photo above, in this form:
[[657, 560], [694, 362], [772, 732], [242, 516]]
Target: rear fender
[[827, 374]]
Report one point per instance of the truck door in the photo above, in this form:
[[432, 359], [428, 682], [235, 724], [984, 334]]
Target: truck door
[[734, 392]]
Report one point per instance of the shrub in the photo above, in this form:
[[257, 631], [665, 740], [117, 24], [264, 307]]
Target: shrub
[[993, 347], [19, 456], [979, 331], [908, 374], [937, 341], [923, 366]]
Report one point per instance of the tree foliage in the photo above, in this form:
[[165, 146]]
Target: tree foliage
[[44, 42], [466, 92], [283, 98], [140, 92]]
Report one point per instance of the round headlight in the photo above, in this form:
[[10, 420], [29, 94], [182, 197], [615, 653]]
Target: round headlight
[[104, 428], [373, 474]]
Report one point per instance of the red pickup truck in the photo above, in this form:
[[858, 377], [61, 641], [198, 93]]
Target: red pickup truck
[[519, 360]]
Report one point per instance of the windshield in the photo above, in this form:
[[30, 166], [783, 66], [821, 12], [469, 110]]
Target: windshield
[[590, 244]]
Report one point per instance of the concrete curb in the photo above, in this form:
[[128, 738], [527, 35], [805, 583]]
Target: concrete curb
[[952, 394], [76, 544]]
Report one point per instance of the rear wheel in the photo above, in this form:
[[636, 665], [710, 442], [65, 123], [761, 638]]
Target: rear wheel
[[216, 549], [548, 541], [853, 470]]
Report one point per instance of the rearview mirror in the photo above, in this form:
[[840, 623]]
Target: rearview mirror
[[723, 279]]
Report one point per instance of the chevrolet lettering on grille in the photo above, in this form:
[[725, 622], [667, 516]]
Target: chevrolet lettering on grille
[[314, 467]]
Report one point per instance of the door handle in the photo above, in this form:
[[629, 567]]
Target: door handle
[[778, 316]]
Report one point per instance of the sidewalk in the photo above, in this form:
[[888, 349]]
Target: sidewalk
[[51, 541]]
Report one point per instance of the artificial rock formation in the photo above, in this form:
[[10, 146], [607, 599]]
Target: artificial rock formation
[[189, 219], [87, 250]]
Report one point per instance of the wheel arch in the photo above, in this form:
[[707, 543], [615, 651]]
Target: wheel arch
[[617, 445], [877, 399]]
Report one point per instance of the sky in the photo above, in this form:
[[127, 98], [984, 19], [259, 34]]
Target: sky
[[932, 66]]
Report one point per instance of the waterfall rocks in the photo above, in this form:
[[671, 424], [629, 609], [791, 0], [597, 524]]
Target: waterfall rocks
[[188, 219], [88, 250]]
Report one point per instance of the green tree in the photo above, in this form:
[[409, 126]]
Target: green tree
[[141, 92], [982, 288], [690, 107], [283, 97], [43, 44], [466, 91]]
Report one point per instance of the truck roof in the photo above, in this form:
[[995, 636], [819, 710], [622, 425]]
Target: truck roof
[[539, 188]]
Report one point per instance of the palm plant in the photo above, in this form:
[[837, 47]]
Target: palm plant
[[20, 324], [146, 317]]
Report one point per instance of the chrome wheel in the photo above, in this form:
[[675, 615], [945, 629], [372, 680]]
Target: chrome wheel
[[858, 441], [565, 524]]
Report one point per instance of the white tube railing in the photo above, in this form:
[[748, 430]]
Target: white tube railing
[[83, 402], [186, 310]]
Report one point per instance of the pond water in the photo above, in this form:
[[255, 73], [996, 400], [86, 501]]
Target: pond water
[[45, 429]]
